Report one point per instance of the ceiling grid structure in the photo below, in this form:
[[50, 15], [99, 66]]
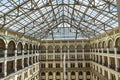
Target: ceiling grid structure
[[48, 19]]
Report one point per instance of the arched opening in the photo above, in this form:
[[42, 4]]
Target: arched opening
[[110, 46], [104, 47], [10, 67], [57, 49], [30, 49], [117, 45], [11, 49], [64, 48], [87, 48], [30, 60], [50, 49], [19, 64], [79, 48], [25, 49], [2, 48], [19, 49], [72, 48], [43, 49], [25, 62]]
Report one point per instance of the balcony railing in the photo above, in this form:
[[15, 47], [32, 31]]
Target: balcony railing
[[18, 54], [10, 71], [118, 51], [19, 68], [1, 55], [112, 67], [1, 75], [72, 50], [79, 50], [26, 65], [111, 51], [10, 54], [118, 69], [50, 51], [86, 50], [25, 53], [104, 51]]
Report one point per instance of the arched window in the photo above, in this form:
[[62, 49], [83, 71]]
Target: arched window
[[72, 48], [2, 48], [11, 48], [19, 48], [57, 49], [26, 48], [43, 49], [64, 48], [117, 45], [50, 49], [87, 48], [30, 49], [110, 44], [79, 48]]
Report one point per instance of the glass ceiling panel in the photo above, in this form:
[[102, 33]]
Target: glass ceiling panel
[[42, 18]]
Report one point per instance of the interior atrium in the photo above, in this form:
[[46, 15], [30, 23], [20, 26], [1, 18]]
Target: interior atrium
[[59, 39]]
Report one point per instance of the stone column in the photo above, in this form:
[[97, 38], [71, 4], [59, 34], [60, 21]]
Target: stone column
[[5, 63], [46, 75], [61, 77], [76, 73], [5, 68], [54, 76], [22, 58], [84, 75], [69, 76]]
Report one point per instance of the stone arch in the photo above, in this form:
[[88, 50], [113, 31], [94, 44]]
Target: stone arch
[[117, 45], [110, 43], [87, 48], [11, 48], [43, 49], [79, 48], [26, 48], [19, 48], [72, 48], [57, 49], [64, 48], [50, 49], [2, 47]]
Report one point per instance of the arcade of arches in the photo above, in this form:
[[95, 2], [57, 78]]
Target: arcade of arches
[[94, 59], [59, 39]]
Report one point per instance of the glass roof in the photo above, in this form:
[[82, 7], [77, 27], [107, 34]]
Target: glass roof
[[58, 19]]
